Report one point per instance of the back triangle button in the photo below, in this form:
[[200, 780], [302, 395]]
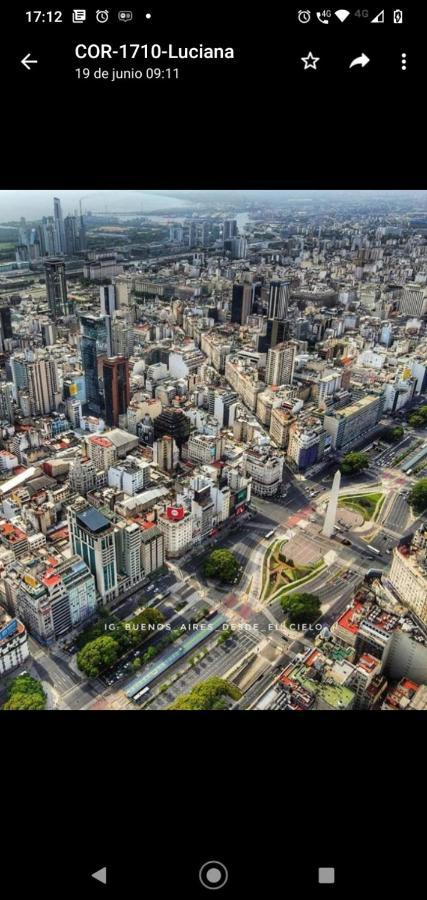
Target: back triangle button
[[100, 875]]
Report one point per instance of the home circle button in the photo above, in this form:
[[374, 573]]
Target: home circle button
[[213, 875]]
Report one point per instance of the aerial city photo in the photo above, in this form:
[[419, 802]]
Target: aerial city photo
[[213, 451]]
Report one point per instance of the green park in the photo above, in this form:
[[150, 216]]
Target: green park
[[367, 505], [281, 573]]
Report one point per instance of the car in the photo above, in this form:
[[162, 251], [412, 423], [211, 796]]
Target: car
[[346, 542]]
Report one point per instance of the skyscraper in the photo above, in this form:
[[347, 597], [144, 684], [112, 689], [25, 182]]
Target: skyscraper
[[229, 229], [278, 299], [107, 294], [6, 402], [173, 422], [241, 303], [94, 344], [59, 224], [116, 388], [92, 538], [280, 364], [72, 238], [56, 287], [42, 380], [5, 326]]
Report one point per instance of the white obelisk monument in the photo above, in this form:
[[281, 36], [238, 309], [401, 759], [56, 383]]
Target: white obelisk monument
[[328, 527]]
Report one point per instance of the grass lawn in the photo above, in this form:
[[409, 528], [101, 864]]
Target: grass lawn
[[368, 505], [278, 573]]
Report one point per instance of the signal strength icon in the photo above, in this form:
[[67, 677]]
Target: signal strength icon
[[342, 14], [379, 19]]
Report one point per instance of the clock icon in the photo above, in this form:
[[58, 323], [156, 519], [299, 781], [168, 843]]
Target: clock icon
[[102, 15], [304, 16]]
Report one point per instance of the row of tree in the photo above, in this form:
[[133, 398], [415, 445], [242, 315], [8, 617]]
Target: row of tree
[[103, 652], [209, 694]]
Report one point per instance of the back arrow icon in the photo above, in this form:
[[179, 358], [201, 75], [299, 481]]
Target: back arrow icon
[[26, 61], [360, 61]]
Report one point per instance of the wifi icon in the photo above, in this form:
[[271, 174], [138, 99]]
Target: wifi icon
[[342, 14]]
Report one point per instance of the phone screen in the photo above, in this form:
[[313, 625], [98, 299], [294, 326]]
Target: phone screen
[[213, 446]]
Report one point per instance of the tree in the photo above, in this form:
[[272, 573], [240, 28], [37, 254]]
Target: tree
[[209, 694], [221, 564], [100, 654], [418, 496], [353, 462], [136, 664], [141, 623], [393, 435], [225, 635], [150, 654], [416, 420], [25, 692], [301, 608]]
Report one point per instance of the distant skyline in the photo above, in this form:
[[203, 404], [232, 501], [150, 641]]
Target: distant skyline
[[38, 203]]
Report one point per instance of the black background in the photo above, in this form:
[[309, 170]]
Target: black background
[[273, 796]]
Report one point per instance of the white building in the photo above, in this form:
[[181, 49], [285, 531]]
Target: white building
[[13, 643], [131, 476], [266, 471], [176, 525]]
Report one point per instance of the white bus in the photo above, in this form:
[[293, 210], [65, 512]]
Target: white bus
[[374, 550], [140, 694]]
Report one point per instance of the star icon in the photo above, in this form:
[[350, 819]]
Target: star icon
[[310, 61]]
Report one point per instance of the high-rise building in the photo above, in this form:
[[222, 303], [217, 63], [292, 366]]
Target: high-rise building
[[56, 287], [238, 247], [59, 224], [280, 423], [152, 549], [122, 337], [128, 548], [229, 229], [413, 301], [13, 643], [275, 331], [42, 385], [241, 303], [165, 453], [6, 402], [278, 299], [56, 600], [116, 388], [173, 422], [176, 525], [280, 364], [72, 238], [5, 326], [92, 538], [107, 294], [346, 426], [266, 470], [94, 345]]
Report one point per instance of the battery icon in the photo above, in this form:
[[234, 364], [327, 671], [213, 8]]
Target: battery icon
[[397, 16]]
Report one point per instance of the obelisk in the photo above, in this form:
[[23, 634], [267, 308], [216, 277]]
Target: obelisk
[[328, 527]]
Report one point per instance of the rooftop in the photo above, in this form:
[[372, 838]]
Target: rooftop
[[92, 520]]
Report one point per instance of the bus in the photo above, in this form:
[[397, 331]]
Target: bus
[[374, 550], [140, 694]]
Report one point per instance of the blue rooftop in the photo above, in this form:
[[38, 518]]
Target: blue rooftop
[[93, 520]]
